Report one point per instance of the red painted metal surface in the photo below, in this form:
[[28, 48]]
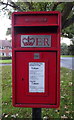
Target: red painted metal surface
[[36, 23]]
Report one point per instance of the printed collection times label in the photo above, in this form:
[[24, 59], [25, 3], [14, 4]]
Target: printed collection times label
[[36, 77]]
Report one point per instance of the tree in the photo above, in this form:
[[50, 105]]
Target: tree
[[71, 48], [64, 49], [66, 9]]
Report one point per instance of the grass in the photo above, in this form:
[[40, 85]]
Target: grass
[[0, 90], [5, 61], [67, 55], [65, 110]]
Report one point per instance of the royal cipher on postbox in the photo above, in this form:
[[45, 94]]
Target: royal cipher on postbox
[[36, 59]]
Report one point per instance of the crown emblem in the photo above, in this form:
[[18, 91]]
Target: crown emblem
[[28, 41]]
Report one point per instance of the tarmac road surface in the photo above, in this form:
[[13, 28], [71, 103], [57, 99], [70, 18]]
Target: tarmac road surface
[[5, 64], [67, 62]]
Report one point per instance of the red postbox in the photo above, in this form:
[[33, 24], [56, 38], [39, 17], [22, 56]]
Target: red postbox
[[36, 59]]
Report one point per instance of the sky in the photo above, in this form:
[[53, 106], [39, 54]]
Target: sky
[[4, 24], [66, 40]]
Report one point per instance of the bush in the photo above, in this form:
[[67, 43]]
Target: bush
[[5, 57]]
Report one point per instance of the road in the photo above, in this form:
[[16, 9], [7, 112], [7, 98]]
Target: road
[[67, 62], [5, 64]]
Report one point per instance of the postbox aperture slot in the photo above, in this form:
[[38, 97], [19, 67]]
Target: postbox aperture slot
[[36, 29]]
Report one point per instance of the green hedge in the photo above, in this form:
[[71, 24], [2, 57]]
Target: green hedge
[[5, 57]]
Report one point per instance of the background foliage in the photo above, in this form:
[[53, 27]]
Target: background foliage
[[66, 9]]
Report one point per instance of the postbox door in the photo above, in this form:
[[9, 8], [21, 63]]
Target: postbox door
[[24, 61]]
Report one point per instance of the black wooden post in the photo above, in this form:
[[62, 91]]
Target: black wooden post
[[36, 113]]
